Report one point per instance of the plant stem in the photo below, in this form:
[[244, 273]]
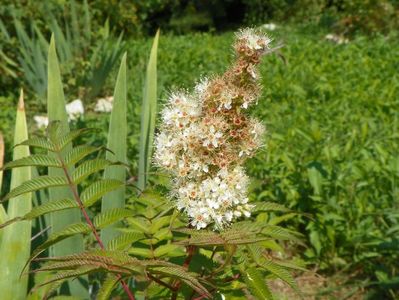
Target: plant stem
[[190, 253], [75, 193]]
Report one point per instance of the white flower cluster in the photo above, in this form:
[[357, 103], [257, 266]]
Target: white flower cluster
[[206, 136]]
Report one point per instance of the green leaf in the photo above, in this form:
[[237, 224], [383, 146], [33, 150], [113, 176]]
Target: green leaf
[[270, 206], [111, 216], [281, 272], [39, 142], [74, 229], [107, 287], [34, 160], [98, 189], [50, 207], [256, 283], [43, 209], [16, 239], [70, 136], [3, 214], [148, 114], [36, 184], [183, 275], [170, 250], [124, 240], [315, 179], [117, 143], [87, 168], [78, 153], [59, 220]]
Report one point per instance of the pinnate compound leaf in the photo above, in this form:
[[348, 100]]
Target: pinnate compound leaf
[[38, 160], [124, 240], [36, 184], [98, 189], [111, 216], [256, 283], [89, 167]]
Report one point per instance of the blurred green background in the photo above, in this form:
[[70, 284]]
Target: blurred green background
[[330, 102]]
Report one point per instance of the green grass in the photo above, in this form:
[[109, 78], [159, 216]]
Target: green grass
[[333, 143]]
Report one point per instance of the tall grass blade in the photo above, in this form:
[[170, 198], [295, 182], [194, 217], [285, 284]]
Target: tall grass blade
[[117, 143], [15, 246], [3, 215], [59, 220], [148, 113]]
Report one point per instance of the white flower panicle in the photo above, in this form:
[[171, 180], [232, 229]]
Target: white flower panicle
[[206, 137]]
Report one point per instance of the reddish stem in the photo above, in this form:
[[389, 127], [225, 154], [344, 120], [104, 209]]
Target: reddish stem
[[72, 186]]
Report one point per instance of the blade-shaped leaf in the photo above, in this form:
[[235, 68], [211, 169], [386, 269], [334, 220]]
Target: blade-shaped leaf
[[59, 220], [3, 214], [148, 113], [98, 189], [117, 143], [15, 246]]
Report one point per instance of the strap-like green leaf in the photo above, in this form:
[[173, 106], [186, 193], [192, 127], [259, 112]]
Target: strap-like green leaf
[[35, 184], [148, 114], [98, 189], [256, 283], [89, 167], [124, 240], [111, 216], [117, 143], [34, 160], [78, 153]]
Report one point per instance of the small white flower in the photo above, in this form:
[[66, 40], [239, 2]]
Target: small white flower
[[74, 109], [104, 104], [41, 121]]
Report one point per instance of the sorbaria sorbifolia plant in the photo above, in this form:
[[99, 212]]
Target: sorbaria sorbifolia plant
[[207, 136], [226, 250]]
